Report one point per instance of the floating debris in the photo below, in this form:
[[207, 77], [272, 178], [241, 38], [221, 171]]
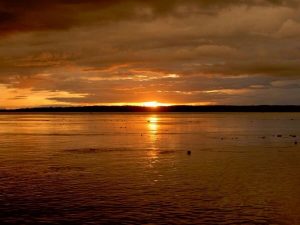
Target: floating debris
[[188, 152], [279, 135]]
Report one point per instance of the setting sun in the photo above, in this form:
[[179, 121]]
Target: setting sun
[[152, 104]]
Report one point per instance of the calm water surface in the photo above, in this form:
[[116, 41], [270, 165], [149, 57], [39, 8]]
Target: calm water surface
[[134, 169]]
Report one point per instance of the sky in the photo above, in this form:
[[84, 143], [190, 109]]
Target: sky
[[100, 52]]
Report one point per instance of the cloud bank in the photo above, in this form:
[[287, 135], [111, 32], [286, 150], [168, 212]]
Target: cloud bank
[[64, 52]]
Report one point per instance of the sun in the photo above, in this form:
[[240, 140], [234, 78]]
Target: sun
[[151, 104]]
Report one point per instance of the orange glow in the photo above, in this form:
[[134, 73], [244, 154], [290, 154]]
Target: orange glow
[[153, 104]]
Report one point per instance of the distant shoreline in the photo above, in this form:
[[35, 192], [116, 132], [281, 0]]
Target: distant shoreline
[[175, 108]]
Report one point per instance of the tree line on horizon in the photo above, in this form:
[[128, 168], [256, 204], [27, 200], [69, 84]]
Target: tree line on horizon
[[174, 108]]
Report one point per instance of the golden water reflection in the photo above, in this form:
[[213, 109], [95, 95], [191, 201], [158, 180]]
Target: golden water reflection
[[153, 127], [153, 124], [245, 180]]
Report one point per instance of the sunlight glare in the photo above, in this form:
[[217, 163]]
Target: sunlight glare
[[153, 104], [152, 124]]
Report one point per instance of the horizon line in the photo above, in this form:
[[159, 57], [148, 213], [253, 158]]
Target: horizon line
[[169, 108]]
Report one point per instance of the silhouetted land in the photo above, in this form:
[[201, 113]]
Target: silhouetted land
[[177, 108]]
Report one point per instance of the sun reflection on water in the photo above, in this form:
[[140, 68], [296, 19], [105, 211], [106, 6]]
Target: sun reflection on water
[[153, 127], [153, 124]]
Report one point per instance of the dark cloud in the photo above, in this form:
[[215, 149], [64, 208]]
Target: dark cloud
[[28, 15]]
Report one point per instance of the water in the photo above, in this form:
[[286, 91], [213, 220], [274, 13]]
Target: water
[[134, 168]]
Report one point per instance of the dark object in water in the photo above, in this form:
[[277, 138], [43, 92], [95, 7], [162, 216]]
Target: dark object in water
[[189, 152], [263, 137], [296, 142], [292, 135], [279, 135]]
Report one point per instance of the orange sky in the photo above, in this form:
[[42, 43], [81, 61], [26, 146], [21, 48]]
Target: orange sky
[[131, 52]]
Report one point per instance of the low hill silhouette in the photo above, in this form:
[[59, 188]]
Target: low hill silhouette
[[175, 108]]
